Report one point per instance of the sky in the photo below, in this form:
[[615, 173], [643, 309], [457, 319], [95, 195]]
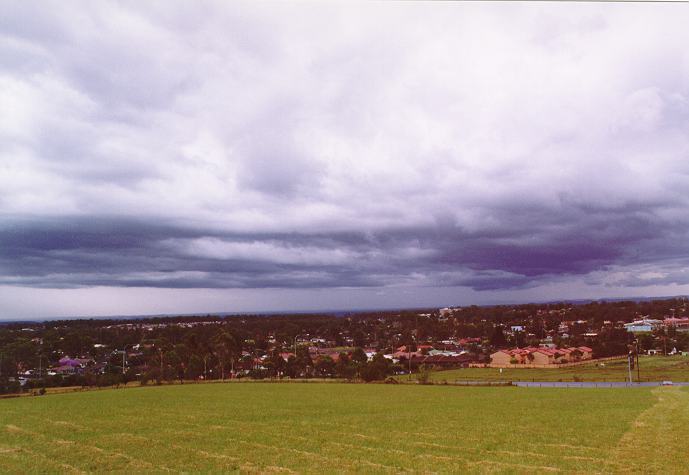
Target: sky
[[183, 157]]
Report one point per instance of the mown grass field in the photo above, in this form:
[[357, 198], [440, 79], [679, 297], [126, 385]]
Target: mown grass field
[[652, 368], [325, 428]]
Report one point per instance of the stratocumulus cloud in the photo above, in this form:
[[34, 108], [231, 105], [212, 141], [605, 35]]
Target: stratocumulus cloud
[[486, 147]]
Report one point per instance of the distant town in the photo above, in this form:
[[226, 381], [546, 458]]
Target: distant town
[[369, 346]]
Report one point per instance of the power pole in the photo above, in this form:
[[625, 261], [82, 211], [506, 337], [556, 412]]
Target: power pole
[[160, 350], [638, 371], [409, 356], [664, 345]]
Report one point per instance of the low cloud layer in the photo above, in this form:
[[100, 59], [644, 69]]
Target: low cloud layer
[[487, 148]]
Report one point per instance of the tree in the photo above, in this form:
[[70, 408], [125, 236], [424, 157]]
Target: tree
[[344, 368], [519, 339], [359, 360], [359, 356], [424, 375], [227, 349], [325, 366], [576, 354], [377, 369], [646, 342], [498, 339], [275, 364], [303, 363]]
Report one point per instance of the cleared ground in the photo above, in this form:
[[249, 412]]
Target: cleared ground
[[652, 368], [346, 428]]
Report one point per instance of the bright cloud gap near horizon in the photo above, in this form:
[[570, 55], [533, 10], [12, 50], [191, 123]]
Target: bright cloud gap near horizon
[[177, 157]]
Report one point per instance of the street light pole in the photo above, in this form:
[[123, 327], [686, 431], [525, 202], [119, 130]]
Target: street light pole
[[295, 343], [409, 377], [124, 356], [409, 355]]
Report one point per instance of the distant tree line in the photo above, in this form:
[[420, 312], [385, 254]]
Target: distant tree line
[[212, 347]]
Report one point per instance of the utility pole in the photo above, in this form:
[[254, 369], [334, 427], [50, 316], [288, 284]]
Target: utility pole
[[295, 342], [160, 350], [629, 366], [409, 358], [664, 345], [638, 371]]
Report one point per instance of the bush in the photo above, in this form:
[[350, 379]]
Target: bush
[[258, 373], [147, 377], [424, 376], [10, 387]]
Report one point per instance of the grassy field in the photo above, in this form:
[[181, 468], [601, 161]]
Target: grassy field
[[652, 368], [314, 427]]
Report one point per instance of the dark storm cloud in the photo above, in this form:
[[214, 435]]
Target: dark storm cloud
[[279, 145], [79, 252]]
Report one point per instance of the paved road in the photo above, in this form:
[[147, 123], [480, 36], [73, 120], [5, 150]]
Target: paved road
[[598, 384]]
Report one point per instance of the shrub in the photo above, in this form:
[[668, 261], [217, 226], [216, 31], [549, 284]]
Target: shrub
[[258, 373], [424, 375]]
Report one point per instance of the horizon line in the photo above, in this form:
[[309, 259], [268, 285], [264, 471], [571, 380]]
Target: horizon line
[[334, 312]]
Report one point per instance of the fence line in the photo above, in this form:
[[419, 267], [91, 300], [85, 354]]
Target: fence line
[[547, 366]]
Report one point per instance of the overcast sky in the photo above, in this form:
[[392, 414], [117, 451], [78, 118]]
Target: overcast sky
[[164, 157]]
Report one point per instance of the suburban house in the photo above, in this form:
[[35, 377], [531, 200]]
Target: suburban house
[[541, 356], [69, 366], [680, 324], [446, 361], [406, 353], [643, 325], [320, 353]]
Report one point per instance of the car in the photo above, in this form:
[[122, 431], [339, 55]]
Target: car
[[666, 383]]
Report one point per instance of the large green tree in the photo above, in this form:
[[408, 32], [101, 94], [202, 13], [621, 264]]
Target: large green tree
[[227, 349]]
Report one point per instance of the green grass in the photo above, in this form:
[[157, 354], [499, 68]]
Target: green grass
[[652, 368], [256, 427]]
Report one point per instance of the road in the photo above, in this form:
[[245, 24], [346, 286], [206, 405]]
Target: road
[[590, 384]]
